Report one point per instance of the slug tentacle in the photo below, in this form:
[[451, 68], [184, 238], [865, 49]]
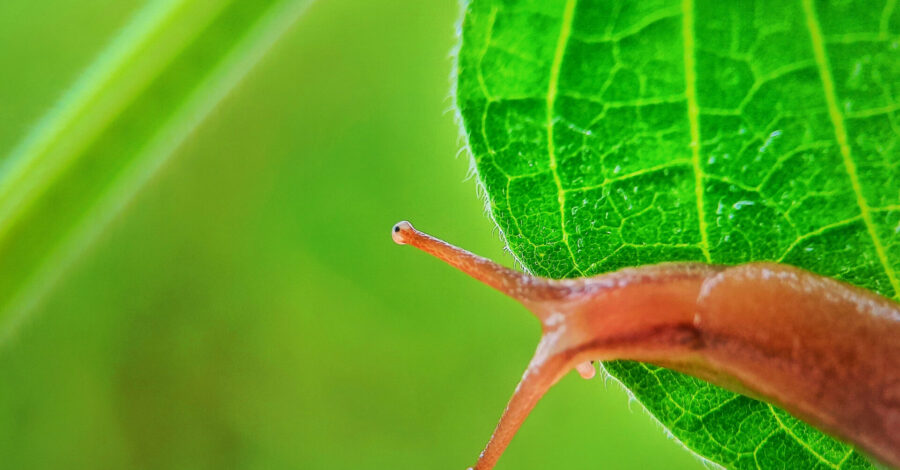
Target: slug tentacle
[[545, 369], [525, 288]]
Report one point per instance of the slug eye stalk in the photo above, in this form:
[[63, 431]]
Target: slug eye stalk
[[825, 351], [528, 290]]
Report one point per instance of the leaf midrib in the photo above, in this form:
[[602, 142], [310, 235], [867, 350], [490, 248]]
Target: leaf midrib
[[562, 42], [693, 113]]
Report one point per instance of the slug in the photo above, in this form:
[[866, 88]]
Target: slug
[[825, 351]]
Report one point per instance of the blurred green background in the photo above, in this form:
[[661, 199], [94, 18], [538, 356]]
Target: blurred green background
[[249, 310]]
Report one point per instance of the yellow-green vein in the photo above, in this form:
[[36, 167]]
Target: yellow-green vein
[[693, 112], [565, 31], [840, 132], [797, 438]]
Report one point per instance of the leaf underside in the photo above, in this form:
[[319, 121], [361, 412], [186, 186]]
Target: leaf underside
[[611, 134]]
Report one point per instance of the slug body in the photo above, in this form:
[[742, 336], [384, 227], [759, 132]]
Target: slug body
[[825, 351]]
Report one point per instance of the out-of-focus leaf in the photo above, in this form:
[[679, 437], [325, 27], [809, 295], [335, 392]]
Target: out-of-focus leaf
[[81, 164]]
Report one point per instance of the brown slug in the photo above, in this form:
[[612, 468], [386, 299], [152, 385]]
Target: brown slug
[[823, 350]]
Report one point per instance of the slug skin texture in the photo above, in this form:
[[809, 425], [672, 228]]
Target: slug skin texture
[[825, 351]]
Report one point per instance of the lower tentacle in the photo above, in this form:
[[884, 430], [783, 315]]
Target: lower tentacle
[[543, 371]]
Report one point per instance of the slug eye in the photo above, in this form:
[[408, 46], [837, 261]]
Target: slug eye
[[400, 232]]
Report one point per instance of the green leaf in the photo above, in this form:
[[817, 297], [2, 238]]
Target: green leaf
[[144, 94], [611, 134]]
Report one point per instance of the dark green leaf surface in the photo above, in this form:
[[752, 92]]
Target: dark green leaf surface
[[612, 134]]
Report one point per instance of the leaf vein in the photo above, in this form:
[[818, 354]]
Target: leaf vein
[[840, 131], [802, 442], [693, 111], [562, 42]]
